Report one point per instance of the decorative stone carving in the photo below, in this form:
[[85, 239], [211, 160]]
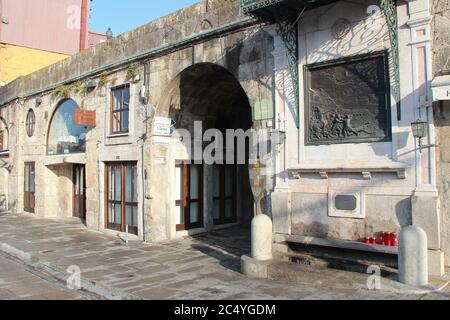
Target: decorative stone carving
[[341, 28], [348, 101]]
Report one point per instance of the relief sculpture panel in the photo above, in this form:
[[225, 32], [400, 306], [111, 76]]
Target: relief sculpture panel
[[348, 101]]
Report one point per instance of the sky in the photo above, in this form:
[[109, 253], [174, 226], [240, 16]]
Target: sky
[[123, 16]]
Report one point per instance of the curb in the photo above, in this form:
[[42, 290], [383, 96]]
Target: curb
[[59, 274], [268, 270]]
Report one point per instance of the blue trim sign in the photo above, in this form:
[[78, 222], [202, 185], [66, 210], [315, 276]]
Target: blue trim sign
[[163, 127]]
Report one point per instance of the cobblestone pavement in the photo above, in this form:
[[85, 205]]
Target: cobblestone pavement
[[20, 283], [199, 268]]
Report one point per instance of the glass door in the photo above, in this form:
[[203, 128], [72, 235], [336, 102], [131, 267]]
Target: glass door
[[122, 197], [224, 194], [189, 196]]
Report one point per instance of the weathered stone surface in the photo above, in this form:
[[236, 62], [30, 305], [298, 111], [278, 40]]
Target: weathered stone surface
[[426, 215], [280, 212], [383, 214], [436, 263], [442, 116]]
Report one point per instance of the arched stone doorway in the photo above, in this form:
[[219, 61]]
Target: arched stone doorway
[[205, 196], [65, 163]]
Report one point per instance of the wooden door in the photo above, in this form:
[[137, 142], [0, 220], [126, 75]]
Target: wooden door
[[122, 197], [29, 187], [79, 191], [189, 196]]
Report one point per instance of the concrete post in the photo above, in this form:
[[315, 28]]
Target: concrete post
[[262, 238], [413, 257]]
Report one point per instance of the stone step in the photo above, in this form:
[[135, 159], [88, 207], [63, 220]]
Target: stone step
[[317, 275], [332, 262]]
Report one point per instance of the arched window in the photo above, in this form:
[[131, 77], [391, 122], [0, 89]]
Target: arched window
[[65, 136], [30, 123], [3, 135]]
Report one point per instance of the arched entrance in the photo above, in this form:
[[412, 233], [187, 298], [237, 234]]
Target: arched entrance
[[208, 194], [66, 146]]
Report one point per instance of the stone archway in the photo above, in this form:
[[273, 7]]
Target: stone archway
[[64, 163], [208, 94]]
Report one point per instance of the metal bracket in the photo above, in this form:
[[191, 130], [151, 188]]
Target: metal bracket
[[389, 8], [288, 31]]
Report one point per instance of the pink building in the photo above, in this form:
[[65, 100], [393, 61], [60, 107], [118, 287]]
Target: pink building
[[60, 26], [37, 33]]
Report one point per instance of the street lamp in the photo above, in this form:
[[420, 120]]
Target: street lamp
[[420, 131]]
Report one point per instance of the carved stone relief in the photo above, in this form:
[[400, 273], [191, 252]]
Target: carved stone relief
[[348, 101]]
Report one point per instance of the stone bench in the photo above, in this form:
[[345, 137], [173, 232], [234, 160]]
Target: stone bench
[[346, 245]]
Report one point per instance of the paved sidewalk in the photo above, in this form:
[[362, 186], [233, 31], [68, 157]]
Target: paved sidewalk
[[199, 268], [19, 283]]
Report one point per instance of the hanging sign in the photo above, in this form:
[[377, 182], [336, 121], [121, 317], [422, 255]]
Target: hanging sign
[[84, 118], [163, 127]]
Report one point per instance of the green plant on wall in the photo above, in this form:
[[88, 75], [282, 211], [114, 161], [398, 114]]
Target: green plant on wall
[[81, 88], [62, 92], [132, 72], [103, 81]]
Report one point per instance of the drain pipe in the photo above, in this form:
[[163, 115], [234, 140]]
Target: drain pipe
[[98, 186], [143, 140], [143, 186]]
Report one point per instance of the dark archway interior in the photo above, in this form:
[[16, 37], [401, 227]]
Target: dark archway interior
[[209, 93]]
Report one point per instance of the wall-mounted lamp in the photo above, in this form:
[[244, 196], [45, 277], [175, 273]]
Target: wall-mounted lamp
[[38, 102], [420, 131]]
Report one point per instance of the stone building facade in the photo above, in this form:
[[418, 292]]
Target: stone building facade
[[342, 164], [441, 70]]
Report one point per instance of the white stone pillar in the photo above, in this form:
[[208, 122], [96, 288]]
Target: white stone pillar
[[413, 257], [262, 238]]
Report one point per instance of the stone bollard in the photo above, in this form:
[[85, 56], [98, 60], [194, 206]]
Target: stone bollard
[[413, 257], [262, 238]]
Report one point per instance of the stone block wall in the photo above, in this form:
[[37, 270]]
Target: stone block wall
[[441, 62], [442, 123], [441, 34]]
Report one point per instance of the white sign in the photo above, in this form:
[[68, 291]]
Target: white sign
[[159, 160], [161, 140], [441, 88], [441, 93], [163, 126]]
